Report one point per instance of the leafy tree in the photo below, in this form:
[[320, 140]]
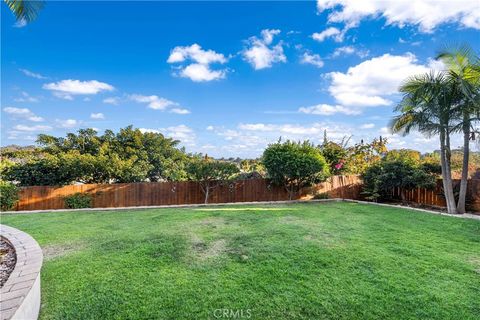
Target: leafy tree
[[381, 178], [128, 156], [211, 173], [294, 165], [335, 155], [363, 155], [464, 75], [405, 155], [45, 171]]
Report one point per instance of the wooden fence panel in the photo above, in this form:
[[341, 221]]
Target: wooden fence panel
[[435, 197], [174, 193]]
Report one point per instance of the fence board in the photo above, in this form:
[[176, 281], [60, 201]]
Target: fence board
[[171, 193], [435, 197]]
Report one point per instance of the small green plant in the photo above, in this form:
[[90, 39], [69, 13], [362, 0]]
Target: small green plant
[[8, 195], [322, 195], [78, 200]]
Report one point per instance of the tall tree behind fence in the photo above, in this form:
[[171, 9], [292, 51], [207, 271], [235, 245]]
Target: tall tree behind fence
[[176, 193], [435, 197]]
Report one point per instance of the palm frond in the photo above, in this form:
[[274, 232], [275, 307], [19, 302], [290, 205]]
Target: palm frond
[[25, 10]]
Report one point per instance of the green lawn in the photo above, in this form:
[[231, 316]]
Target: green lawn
[[302, 261]]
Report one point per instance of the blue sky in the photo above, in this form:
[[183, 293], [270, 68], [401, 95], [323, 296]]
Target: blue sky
[[226, 78]]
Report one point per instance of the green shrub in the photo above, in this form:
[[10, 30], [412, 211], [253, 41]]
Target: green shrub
[[323, 195], [78, 201], [381, 178], [8, 195]]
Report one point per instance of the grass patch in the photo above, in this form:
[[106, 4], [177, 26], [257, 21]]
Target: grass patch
[[299, 261]]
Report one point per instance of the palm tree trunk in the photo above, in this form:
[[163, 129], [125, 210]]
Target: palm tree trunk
[[466, 153], [446, 173]]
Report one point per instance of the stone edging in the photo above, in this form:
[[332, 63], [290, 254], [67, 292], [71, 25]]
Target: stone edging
[[20, 295]]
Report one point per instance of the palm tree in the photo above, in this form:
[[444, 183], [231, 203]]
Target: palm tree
[[426, 107], [25, 11], [464, 73]]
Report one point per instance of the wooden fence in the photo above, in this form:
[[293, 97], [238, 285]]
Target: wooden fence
[[175, 193], [435, 197]]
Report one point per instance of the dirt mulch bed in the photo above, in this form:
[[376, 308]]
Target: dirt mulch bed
[[8, 259]]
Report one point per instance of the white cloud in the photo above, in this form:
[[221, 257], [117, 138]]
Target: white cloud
[[313, 59], [195, 53], [25, 97], [39, 128], [374, 81], [367, 126], [268, 34], [210, 128], [259, 52], [327, 110], [181, 132], [296, 131], [23, 113], [250, 139], [67, 123], [67, 88], [97, 115], [144, 130], [20, 23], [180, 111], [199, 70], [63, 95], [112, 100], [331, 32], [158, 103], [153, 102], [20, 135], [346, 50], [32, 74], [426, 14]]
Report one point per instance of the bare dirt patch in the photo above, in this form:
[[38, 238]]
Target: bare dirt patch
[[213, 222], [291, 220], [54, 251], [203, 251], [476, 263]]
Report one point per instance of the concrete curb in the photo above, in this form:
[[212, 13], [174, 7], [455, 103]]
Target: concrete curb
[[20, 295], [170, 206], [466, 215]]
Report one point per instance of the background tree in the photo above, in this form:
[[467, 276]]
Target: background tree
[[427, 107], [211, 173], [404, 155], [294, 165], [363, 155], [464, 75], [127, 156], [335, 155]]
